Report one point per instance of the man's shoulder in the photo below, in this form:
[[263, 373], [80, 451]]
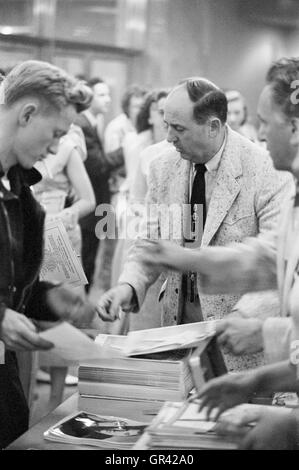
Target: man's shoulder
[[162, 153], [244, 146], [252, 156]]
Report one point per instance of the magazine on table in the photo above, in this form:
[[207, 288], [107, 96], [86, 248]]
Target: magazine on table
[[106, 432], [180, 425]]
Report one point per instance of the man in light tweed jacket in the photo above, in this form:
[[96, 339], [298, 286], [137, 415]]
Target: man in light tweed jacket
[[243, 195]]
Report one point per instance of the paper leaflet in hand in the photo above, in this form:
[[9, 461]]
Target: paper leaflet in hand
[[74, 346], [61, 262]]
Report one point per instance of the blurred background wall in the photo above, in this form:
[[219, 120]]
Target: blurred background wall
[[153, 42]]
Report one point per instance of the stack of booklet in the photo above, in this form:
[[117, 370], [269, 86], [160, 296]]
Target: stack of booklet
[[106, 432], [182, 426], [165, 376], [148, 365]]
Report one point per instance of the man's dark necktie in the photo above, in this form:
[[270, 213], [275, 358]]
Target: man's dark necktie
[[198, 215], [198, 197]]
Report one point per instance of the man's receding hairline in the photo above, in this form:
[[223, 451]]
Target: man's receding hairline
[[184, 85]]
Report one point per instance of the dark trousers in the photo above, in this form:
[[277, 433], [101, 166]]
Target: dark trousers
[[90, 245], [14, 412]]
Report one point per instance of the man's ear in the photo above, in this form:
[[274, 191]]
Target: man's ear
[[215, 126], [294, 140], [26, 113]]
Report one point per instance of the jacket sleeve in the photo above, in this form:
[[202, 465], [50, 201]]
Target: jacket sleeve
[[136, 273], [240, 268], [273, 189]]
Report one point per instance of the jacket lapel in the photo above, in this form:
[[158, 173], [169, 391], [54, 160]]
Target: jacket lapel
[[179, 190], [226, 187], [288, 256]]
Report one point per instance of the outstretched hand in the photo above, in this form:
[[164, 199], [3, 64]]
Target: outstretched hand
[[275, 429], [113, 301], [69, 306], [240, 335], [161, 254], [225, 392]]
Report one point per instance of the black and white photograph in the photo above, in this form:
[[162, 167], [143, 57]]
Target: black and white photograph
[[149, 215]]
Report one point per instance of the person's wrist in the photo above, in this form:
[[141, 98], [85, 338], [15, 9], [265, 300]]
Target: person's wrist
[[256, 382], [134, 298]]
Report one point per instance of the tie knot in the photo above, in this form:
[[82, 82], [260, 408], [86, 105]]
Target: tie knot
[[200, 168]]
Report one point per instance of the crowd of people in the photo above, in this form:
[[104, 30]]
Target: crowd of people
[[213, 203]]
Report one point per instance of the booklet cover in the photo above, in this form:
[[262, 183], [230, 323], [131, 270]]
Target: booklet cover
[[61, 263], [106, 432]]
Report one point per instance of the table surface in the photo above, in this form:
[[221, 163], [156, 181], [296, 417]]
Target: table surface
[[33, 438]]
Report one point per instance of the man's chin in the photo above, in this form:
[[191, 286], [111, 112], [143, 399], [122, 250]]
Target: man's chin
[[279, 166], [28, 164]]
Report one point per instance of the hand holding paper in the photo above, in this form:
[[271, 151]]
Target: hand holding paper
[[72, 345], [68, 305], [19, 333]]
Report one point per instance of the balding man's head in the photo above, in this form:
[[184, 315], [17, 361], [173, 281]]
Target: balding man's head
[[195, 113], [208, 100]]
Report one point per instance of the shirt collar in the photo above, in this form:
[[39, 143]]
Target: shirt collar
[[19, 176], [90, 117]]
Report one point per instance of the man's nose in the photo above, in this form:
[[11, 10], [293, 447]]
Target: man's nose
[[170, 135], [261, 134], [53, 147]]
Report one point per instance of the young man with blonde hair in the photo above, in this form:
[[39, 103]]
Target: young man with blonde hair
[[38, 104]]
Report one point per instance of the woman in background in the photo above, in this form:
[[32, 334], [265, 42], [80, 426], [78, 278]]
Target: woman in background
[[65, 190], [150, 130], [237, 115]]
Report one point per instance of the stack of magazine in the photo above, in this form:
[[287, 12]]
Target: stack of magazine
[[164, 376], [179, 425], [148, 365], [106, 432]]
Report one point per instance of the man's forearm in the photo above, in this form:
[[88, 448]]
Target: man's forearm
[[276, 377], [237, 269]]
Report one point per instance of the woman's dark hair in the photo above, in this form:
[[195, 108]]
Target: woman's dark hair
[[208, 99], [94, 81], [133, 90], [142, 120]]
